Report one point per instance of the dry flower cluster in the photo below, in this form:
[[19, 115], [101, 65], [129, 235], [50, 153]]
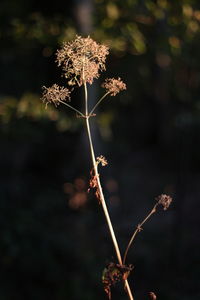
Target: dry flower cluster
[[82, 60], [114, 86], [101, 159], [55, 94], [164, 200]]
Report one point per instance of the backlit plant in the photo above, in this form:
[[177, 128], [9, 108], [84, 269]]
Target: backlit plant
[[81, 61]]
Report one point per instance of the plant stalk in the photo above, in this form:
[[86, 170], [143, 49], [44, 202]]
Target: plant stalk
[[102, 199], [97, 104], [74, 109], [138, 229]]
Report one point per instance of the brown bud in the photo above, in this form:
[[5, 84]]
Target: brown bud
[[152, 296], [164, 200]]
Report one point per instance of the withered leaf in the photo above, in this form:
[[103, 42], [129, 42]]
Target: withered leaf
[[94, 185], [114, 273]]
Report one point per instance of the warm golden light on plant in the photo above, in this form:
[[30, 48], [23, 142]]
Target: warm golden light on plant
[[81, 61], [55, 94]]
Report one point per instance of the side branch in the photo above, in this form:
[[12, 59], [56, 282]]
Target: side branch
[[97, 104], [74, 109], [138, 229]]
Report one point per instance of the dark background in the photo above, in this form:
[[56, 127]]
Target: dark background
[[54, 240]]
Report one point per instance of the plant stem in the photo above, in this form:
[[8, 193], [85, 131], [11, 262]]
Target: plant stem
[[102, 199], [76, 110], [138, 229], [97, 104]]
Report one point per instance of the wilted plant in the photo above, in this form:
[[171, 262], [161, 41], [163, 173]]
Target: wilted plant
[[81, 61]]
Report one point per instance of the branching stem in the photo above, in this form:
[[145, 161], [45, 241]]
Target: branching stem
[[97, 104], [76, 110], [138, 229], [102, 199]]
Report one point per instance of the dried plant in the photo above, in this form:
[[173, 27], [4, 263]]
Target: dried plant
[[114, 86], [81, 61], [55, 94], [114, 273]]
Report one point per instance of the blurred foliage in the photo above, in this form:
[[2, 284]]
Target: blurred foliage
[[164, 34], [53, 242]]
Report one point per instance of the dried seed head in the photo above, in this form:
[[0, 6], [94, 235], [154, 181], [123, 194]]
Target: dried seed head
[[101, 159], [164, 200], [82, 60], [114, 86], [55, 94]]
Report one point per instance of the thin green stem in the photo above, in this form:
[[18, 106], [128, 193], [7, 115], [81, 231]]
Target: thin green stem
[[102, 199], [76, 110], [138, 229], [97, 104]]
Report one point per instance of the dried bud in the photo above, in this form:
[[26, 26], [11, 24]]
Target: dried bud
[[164, 200], [82, 60], [114, 86], [101, 159], [152, 296], [55, 94]]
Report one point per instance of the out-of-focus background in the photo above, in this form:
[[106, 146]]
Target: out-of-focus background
[[54, 243]]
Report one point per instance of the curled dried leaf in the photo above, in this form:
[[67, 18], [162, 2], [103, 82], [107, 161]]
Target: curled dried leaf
[[114, 273], [94, 185]]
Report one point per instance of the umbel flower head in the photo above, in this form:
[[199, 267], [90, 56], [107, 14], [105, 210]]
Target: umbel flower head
[[82, 60], [164, 200], [55, 94], [114, 86]]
